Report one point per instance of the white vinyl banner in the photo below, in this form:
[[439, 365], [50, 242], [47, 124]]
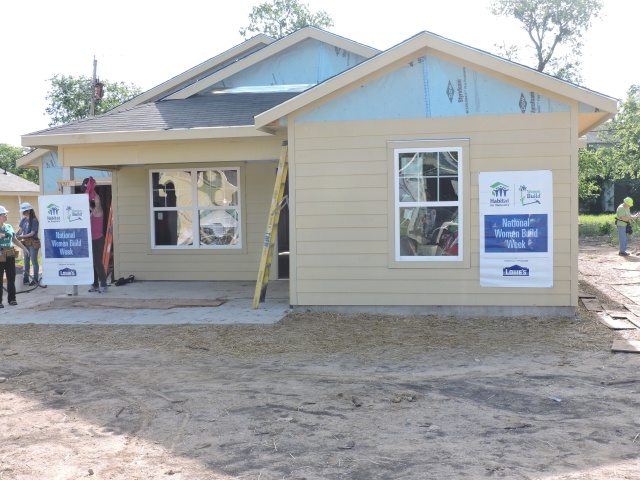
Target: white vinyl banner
[[516, 229], [66, 239]]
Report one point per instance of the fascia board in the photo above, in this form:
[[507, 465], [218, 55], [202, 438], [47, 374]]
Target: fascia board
[[270, 50], [172, 83], [30, 158], [30, 193], [143, 136], [431, 41], [520, 72], [586, 128]]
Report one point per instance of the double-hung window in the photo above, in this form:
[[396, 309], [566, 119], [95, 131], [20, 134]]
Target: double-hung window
[[428, 204], [196, 208]]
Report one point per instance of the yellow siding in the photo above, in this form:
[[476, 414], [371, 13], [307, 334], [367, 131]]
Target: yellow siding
[[12, 203], [195, 152], [340, 215]]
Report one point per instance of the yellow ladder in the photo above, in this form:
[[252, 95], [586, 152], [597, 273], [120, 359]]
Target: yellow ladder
[[277, 202]]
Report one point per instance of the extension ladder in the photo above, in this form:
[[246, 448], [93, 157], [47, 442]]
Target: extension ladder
[[277, 202], [108, 242]]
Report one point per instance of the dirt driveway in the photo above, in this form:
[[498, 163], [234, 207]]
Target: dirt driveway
[[321, 396]]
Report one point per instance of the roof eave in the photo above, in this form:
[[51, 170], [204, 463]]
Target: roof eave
[[31, 193], [589, 125], [28, 160], [142, 136]]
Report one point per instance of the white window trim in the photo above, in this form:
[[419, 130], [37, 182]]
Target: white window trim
[[194, 210], [459, 203]]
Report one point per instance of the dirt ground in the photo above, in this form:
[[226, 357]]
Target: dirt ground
[[323, 396]]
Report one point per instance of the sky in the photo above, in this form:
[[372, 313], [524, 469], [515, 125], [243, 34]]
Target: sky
[[146, 42]]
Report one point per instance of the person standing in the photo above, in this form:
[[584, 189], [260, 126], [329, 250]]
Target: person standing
[[8, 257], [623, 221], [28, 235], [97, 241]]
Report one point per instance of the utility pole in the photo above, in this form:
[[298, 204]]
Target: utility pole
[[92, 108]]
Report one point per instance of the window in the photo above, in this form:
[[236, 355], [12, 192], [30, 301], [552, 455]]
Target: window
[[428, 215], [197, 208]]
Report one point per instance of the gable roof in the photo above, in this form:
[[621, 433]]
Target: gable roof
[[140, 120], [11, 184], [179, 81], [272, 49], [193, 117], [604, 107], [198, 72]]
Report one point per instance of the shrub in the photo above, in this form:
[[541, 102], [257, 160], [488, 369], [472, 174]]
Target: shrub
[[596, 225]]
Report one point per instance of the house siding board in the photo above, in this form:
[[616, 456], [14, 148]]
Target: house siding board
[[12, 203], [133, 245], [341, 220], [433, 299], [189, 154]]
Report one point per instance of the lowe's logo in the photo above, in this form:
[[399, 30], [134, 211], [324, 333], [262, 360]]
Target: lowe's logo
[[515, 271], [53, 213]]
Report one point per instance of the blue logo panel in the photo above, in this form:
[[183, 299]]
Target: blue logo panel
[[516, 233], [66, 243]]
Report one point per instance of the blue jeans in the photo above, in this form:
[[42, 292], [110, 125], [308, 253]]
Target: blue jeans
[[8, 267], [99, 274], [622, 237], [32, 258]]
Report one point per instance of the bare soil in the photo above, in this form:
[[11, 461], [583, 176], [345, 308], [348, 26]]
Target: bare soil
[[323, 396]]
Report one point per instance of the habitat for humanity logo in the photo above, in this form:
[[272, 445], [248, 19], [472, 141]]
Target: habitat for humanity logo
[[499, 194], [53, 213], [529, 197], [515, 271], [73, 215]]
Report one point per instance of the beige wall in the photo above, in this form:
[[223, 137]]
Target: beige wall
[[12, 203], [341, 210]]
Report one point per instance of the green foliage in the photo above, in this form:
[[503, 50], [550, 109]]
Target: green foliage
[[596, 225], [278, 18], [70, 98], [555, 27], [618, 157], [8, 157]]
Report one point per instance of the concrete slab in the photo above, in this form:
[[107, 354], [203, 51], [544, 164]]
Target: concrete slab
[[51, 306]]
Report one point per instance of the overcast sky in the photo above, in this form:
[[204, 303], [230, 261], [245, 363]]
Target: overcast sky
[[147, 42]]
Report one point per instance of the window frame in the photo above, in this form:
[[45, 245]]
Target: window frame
[[195, 209], [395, 149]]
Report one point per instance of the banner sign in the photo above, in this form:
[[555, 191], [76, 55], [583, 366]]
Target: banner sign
[[516, 223], [66, 239]]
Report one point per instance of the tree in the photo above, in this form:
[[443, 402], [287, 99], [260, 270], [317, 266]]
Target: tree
[[70, 98], [618, 156], [555, 27], [8, 157], [278, 18]]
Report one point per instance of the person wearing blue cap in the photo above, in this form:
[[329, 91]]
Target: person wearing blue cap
[[28, 235], [623, 223]]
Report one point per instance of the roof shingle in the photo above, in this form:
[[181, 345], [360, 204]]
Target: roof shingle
[[220, 110]]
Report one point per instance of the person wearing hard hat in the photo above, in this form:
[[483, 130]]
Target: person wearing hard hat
[[28, 235], [623, 223], [8, 256]]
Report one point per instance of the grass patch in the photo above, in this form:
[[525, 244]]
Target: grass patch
[[597, 225]]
